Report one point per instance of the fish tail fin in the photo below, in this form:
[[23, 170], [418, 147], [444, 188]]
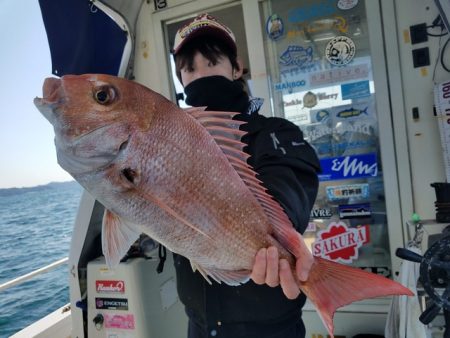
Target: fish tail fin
[[332, 285]]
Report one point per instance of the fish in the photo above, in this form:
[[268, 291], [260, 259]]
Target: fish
[[181, 177], [352, 112]]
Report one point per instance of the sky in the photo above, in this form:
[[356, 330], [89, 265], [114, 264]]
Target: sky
[[27, 151]]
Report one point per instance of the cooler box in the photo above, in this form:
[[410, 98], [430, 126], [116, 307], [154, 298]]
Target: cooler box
[[130, 302]]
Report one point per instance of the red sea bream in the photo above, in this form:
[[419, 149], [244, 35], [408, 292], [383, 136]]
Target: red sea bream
[[181, 177]]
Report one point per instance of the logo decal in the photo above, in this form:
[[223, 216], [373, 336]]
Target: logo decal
[[119, 321], [309, 100], [355, 90], [289, 86], [340, 50], [321, 213], [340, 243], [110, 286], [274, 27], [347, 4], [352, 112], [354, 210], [296, 56], [111, 303], [339, 75], [305, 13], [339, 192], [345, 167]]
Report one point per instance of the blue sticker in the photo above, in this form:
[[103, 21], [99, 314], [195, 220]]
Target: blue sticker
[[274, 27], [355, 90], [348, 167], [341, 147], [289, 86], [297, 56], [305, 13], [341, 192], [354, 210], [322, 115]]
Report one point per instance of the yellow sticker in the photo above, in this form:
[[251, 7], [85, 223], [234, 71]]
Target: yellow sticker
[[424, 71], [406, 36]]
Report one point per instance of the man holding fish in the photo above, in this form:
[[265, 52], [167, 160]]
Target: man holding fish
[[270, 305]]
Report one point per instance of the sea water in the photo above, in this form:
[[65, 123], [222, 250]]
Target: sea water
[[35, 230]]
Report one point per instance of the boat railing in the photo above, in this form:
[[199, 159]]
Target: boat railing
[[28, 276]]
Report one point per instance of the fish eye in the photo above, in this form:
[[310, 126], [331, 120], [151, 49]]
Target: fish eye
[[104, 95]]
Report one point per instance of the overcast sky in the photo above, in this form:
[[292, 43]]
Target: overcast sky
[[27, 151]]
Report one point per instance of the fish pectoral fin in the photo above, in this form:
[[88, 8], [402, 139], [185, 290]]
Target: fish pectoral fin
[[117, 237], [233, 278]]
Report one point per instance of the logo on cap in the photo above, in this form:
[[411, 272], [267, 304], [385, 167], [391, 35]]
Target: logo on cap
[[204, 22]]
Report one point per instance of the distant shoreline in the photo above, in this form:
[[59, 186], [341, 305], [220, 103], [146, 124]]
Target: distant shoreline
[[51, 185]]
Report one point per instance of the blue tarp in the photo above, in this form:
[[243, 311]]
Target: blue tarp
[[82, 38]]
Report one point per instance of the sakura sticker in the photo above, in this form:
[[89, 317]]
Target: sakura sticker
[[340, 243], [340, 50], [346, 4]]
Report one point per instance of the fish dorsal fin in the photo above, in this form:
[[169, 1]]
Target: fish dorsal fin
[[117, 237], [225, 132]]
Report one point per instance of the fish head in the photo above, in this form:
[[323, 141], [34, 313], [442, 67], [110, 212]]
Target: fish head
[[93, 116]]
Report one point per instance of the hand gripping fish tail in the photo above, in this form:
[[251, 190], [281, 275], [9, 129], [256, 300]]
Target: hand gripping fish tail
[[182, 178], [332, 285]]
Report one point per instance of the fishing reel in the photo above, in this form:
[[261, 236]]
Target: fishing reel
[[434, 277]]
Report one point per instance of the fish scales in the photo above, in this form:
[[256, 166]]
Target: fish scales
[[201, 196]]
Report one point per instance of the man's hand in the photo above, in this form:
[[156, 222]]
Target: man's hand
[[269, 269]]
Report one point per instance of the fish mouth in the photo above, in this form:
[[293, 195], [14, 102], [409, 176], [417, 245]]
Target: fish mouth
[[53, 97]]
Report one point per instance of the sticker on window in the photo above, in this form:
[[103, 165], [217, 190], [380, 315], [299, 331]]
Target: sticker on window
[[340, 243]]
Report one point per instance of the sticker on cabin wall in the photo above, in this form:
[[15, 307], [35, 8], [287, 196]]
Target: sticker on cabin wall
[[347, 4], [274, 27], [111, 303], [340, 192], [379, 270], [312, 227], [297, 56], [355, 90], [110, 286], [340, 243], [119, 334], [322, 115], [340, 50], [318, 132], [352, 112], [339, 75], [321, 213], [359, 210], [289, 86], [309, 100], [113, 321], [348, 167], [304, 13]]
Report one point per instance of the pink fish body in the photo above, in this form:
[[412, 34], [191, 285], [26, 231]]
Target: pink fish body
[[181, 177]]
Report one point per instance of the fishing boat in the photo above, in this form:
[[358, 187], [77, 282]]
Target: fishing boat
[[376, 113]]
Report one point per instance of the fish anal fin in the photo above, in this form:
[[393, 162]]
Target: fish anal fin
[[229, 277], [117, 237], [332, 285]]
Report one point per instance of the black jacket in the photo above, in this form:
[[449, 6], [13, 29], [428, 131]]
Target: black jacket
[[288, 167]]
